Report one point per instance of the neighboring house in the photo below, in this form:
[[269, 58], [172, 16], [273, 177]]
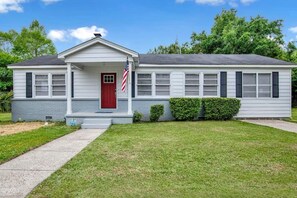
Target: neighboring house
[[85, 82]]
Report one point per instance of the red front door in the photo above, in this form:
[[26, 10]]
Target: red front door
[[108, 90]]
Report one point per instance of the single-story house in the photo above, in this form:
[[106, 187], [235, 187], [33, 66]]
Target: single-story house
[[84, 82]]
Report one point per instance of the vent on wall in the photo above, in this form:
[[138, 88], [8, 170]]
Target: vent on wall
[[48, 118]]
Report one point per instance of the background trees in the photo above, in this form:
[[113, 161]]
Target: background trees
[[231, 34], [17, 46]]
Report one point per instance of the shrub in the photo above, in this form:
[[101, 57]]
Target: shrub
[[185, 108], [137, 116], [220, 108], [156, 112], [5, 101]]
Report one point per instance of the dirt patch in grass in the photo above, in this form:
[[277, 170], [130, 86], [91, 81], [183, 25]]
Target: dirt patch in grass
[[9, 129]]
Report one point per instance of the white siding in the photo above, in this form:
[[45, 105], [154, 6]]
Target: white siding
[[96, 53], [19, 79], [250, 107], [177, 80], [269, 107], [87, 82]]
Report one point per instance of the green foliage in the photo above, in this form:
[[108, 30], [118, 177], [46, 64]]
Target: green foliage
[[137, 116], [14, 145], [156, 112], [33, 42], [185, 108], [5, 101], [5, 73], [14, 47], [220, 108]]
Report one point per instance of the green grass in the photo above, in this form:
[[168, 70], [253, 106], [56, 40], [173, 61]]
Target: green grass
[[5, 118], [181, 159], [14, 145], [294, 114]]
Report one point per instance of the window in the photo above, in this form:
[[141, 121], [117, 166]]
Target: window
[[264, 85], [250, 82], [249, 85], [58, 85], [192, 84], [162, 84], [41, 85], [108, 79], [144, 84], [210, 87]]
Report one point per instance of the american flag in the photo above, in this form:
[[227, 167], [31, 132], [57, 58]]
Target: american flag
[[125, 76]]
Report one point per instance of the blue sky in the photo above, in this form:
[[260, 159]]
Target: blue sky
[[139, 25]]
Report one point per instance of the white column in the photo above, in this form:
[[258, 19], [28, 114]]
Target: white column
[[130, 112], [69, 99]]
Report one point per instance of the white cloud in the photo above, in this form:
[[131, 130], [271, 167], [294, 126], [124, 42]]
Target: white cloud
[[232, 3], [57, 35], [85, 33], [210, 2], [11, 5], [47, 2], [247, 2], [81, 33], [293, 29]]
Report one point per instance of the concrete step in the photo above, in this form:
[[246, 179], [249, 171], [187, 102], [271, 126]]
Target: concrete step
[[97, 121], [95, 126]]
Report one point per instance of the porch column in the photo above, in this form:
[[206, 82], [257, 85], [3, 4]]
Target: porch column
[[69, 99], [130, 89]]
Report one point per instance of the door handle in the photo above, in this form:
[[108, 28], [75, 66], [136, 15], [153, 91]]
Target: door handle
[[115, 92]]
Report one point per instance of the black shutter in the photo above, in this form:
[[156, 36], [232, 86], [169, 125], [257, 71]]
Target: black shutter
[[275, 84], [224, 84], [29, 85], [238, 84], [72, 84], [133, 84]]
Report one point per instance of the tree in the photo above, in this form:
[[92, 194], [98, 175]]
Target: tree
[[231, 34], [174, 48], [32, 42], [29, 43], [5, 73]]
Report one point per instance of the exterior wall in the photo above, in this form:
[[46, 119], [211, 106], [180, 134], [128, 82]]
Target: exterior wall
[[56, 108], [19, 79], [96, 53], [250, 107], [87, 93]]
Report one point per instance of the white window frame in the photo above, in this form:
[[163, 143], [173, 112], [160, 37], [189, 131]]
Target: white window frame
[[34, 84], [155, 84], [218, 84], [51, 85], [49, 74], [199, 84], [257, 85], [136, 84], [271, 84]]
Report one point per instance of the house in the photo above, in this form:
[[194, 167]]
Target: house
[[83, 83]]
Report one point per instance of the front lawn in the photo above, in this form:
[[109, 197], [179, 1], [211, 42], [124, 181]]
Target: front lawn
[[294, 114], [5, 118], [12, 146], [181, 159]]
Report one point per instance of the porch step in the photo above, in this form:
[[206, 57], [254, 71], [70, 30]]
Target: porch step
[[96, 123]]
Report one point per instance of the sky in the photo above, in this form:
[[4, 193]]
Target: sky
[[139, 25]]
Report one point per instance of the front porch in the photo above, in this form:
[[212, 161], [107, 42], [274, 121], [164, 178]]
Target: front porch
[[78, 118], [94, 73]]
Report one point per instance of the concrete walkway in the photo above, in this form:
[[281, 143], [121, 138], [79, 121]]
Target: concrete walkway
[[279, 124], [20, 175]]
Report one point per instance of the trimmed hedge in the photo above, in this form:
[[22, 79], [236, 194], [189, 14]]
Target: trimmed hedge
[[185, 108], [156, 112], [137, 116], [220, 108]]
